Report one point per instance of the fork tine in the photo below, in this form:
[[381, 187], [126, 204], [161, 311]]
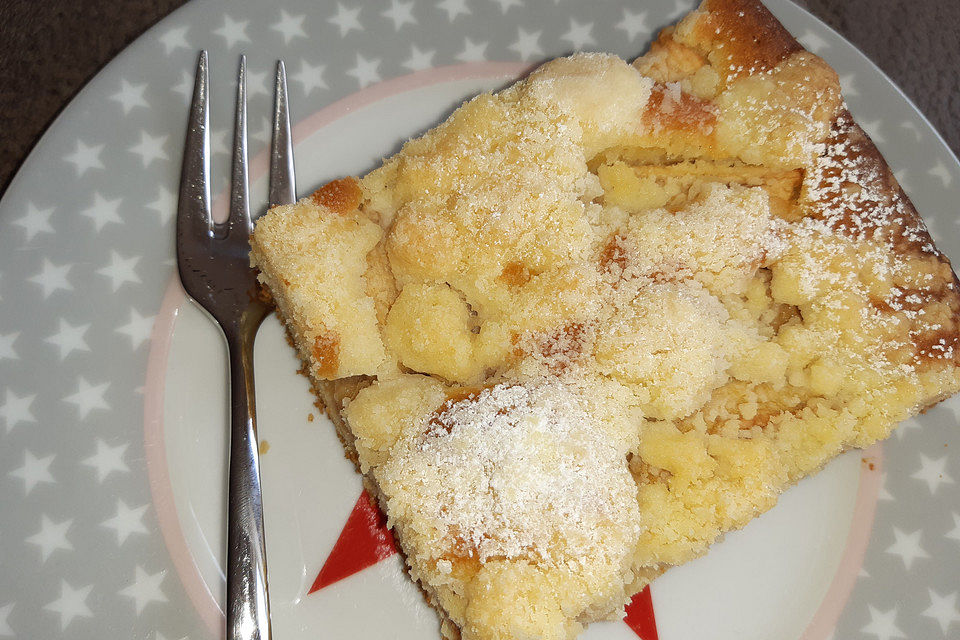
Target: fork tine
[[283, 188], [239, 220], [193, 211]]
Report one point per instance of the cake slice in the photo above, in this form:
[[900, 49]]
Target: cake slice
[[590, 323]]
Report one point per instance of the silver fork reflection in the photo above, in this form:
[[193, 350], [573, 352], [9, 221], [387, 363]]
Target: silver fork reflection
[[214, 267]]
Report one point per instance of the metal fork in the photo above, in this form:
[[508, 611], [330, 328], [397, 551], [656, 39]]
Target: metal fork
[[215, 270]]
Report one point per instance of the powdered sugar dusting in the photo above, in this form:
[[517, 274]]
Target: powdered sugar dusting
[[852, 195], [521, 471], [723, 229]]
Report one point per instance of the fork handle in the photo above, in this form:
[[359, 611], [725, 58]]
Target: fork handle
[[247, 607]]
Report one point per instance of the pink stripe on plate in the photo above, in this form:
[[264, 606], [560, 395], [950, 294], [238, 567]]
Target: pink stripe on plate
[[825, 619], [156, 455]]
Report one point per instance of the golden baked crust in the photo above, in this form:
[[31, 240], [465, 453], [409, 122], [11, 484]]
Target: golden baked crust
[[590, 323]]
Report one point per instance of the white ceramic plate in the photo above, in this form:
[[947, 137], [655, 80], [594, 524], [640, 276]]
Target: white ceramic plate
[[113, 387]]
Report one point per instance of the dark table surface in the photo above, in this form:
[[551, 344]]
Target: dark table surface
[[49, 49]]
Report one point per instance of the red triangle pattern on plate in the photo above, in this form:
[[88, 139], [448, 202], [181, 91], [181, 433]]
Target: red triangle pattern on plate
[[640, 616], [366, 540]]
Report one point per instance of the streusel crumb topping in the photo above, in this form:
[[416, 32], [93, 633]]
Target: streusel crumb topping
[[590, 323], [518, 472]]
